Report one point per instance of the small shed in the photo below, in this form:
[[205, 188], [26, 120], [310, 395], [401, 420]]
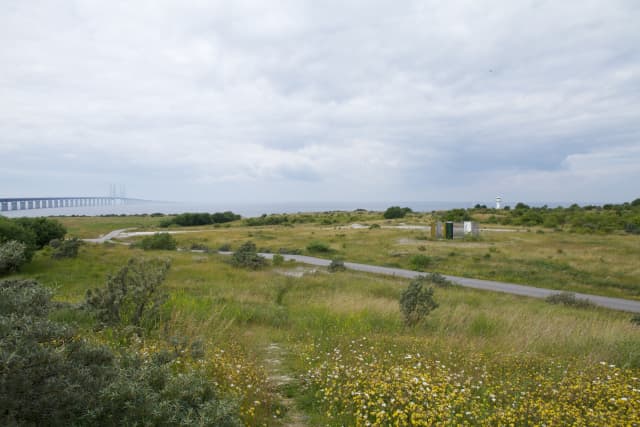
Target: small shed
[[454, 230]]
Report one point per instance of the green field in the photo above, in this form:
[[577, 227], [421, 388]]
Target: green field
[[602, 264], [338, 339]]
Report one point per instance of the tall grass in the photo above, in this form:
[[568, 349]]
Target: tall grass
[[227, 306]]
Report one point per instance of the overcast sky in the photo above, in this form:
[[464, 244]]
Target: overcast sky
[[321, 100]]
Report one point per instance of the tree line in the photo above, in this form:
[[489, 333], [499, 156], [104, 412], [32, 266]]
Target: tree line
[[583, 219]]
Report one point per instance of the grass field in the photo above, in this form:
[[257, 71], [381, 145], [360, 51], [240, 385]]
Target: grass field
[[479, 359], [602, 264]]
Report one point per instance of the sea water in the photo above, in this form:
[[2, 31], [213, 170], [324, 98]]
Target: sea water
[[244, 209]]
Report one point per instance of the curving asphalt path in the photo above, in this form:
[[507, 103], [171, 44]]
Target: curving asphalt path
[[112, 235], [619, 304]]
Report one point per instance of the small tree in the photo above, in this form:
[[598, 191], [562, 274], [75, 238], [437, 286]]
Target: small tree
[[417, 301], [247, 257], [132, 296], [12, 255]]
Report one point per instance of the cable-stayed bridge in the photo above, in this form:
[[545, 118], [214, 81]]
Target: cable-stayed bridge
[[24, 203]]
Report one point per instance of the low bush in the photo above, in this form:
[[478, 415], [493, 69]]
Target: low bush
[[419, 262], [51, 377], [439, 280], [158, 241], [569, 299], [13, 255], [290, 251], [199, 247], [274, 219], [277, 259], [247, 257], [65, 248], [318, 246], [336, 265]]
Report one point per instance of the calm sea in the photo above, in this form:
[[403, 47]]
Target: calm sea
[[244, 209]]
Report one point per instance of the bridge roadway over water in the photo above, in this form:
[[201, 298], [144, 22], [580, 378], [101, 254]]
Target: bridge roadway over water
[[24, 203]]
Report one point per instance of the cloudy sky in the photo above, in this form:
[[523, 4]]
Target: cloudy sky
[[256, 101]]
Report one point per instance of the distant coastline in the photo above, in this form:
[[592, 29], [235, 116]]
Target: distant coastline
[[255, 209]]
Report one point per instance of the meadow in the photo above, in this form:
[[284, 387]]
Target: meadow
[[598, 263], [344, 352]]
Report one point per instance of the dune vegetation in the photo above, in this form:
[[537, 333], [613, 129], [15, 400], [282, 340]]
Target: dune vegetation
[[290, 344]]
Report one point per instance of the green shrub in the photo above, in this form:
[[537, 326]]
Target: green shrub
[[161, 398], [247, 257], [336, 265], [225, 247], [44, 229], [132, 296], [277, 259], [24, 297], [199, 247], [318, 246], [416, 302], [636, 319], [396, 212], [438, 280], [569, 299], [158, 241], [47, 376], [264, 219], [65, 248], [13, 255], [374, 227], [290, 251], [11, 230], [50, 377], [419, 262], [165, 223]]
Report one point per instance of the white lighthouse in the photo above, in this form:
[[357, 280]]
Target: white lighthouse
[[498, 201]]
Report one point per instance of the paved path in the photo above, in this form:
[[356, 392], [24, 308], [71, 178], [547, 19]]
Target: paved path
[[112, 235], [619, 304], [487, 285], [123, 234]]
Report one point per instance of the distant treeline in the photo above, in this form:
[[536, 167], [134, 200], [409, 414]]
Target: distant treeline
[[279, 219], [582, 219], [200, 218], [323, 218]]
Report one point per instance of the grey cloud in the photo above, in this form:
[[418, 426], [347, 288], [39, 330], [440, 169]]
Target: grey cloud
[[371, 99]]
